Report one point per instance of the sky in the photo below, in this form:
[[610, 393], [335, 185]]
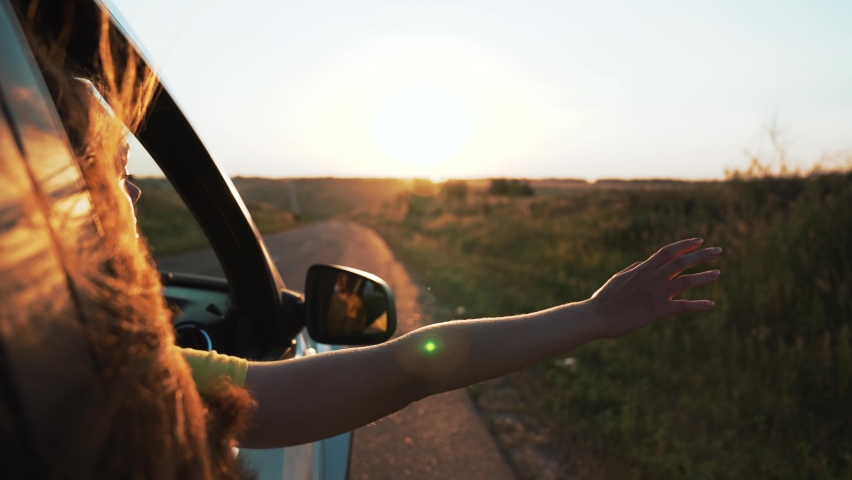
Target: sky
[[485, 88]]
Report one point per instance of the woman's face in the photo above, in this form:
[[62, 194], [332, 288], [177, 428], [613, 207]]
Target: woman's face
[[131, 191], [343, 283]]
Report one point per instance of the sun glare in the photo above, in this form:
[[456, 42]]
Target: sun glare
[[421, 125], [429, 106]]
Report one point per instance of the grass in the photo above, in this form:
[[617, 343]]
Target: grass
[[761, 387], [170, 228], [320, 198]]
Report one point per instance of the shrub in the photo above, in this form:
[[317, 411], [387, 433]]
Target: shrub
[[455, 190], [511, 188]]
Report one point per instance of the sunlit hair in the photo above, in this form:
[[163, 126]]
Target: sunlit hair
[[154, 424]]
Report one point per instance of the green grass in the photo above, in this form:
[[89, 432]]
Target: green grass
[[761, 387], [320, 198], [170, 228]]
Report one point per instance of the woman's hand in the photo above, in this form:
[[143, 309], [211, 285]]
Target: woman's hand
[[642, 292]]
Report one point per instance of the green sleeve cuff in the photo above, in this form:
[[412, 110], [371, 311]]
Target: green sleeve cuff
[[211, 367]]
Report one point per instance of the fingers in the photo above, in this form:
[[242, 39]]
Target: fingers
[[631, 267], [689, 260], [671, 251], [687, 282], [690, 306]]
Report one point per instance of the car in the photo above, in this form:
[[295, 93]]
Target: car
[[249, 313]]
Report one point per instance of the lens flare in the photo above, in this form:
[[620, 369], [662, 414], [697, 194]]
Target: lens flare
[[430, 346]]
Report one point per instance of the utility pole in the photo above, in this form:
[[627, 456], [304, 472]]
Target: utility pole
[[294, 200]]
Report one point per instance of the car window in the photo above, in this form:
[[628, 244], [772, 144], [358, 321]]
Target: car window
[[176, 240]]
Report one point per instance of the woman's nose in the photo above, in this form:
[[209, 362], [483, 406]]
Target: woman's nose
[[133, 191]]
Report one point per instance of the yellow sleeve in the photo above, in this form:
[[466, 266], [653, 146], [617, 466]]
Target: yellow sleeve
[[208, 367]]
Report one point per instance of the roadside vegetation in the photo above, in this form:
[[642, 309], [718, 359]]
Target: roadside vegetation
[[275, 204], [170, 228], [319, 198], [760, 387]]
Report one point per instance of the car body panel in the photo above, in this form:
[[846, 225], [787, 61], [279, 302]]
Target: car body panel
[[324, 460]]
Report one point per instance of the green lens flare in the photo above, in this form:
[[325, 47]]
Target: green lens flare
[[430, 346]]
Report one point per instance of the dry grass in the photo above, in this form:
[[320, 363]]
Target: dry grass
[[758, 388]]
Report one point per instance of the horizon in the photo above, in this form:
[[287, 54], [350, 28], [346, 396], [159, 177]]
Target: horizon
[[477, 179], [469, 90]]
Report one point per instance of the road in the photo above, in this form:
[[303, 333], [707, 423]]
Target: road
[[439, 437]]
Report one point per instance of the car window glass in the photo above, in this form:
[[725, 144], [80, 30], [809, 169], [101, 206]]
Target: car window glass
[[176, 240]]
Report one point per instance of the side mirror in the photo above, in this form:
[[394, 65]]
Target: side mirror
[[345, 306]]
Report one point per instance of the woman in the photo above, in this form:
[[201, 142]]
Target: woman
[[346, 312], [104, 392], [174, 432]]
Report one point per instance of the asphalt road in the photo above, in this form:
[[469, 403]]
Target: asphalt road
[[440, 437]]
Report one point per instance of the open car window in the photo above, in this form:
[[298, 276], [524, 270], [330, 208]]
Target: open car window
[[176, 240]]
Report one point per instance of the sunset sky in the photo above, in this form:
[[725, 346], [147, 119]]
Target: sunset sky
[[502, 88]]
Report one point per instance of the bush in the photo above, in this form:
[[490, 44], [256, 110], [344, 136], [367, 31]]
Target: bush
[[511, 188], [455, 190]]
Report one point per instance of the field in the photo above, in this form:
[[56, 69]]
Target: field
[[170, 228], [319, 198], [761, 387]]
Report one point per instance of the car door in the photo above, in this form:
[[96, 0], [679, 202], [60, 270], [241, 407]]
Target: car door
[[323, 460], [262, 310]]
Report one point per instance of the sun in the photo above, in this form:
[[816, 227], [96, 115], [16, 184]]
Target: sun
[[429, 106], [421, 125]]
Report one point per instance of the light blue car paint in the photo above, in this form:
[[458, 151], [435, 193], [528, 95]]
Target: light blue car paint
[[324, 460]]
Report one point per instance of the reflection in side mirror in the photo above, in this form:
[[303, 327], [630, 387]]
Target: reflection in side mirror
[[348, 307]]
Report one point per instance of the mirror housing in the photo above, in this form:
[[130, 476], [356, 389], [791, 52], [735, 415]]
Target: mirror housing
[[345, 306]]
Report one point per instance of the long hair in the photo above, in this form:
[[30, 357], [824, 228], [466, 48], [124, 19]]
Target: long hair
[[151, 421]]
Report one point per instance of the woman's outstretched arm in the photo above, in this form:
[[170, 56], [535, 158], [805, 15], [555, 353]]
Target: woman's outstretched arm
[[311, 398]]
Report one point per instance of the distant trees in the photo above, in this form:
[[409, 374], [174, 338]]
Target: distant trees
[[510, 188], [428, 197], [455, 190], [422, 195], [425, 197]]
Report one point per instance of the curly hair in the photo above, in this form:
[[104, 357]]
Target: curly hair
[[146, 416]]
